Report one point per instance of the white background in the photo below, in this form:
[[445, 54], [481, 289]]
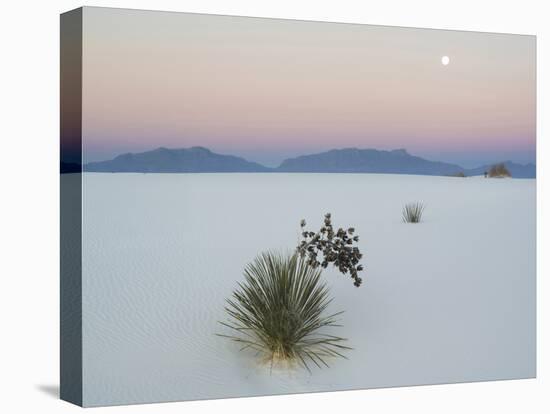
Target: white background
[[29, 191]]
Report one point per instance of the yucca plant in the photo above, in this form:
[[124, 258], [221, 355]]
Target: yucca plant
[[412, 212], [279, 311]]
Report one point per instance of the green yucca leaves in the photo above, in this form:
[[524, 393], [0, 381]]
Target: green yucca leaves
[[412, 212], [279, 311]]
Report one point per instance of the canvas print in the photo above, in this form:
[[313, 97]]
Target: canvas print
[[256, 206]]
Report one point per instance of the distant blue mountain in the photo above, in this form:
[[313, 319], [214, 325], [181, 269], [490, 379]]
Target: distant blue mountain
[[185, 160], [354, 160], [348, 160]]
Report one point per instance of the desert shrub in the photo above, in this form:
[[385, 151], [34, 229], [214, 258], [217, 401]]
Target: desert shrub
[[279, 311], [412, 212], [499, 170], [332, 246]]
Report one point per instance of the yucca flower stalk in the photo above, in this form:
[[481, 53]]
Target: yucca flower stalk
[[330, 246]]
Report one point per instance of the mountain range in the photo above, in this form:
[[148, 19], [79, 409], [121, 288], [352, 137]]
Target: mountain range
[[184, 160], [348, 160]]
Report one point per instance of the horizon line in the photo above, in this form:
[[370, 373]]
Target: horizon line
[[305, 155]]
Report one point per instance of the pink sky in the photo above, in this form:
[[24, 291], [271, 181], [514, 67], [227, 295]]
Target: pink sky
[[267, 89]]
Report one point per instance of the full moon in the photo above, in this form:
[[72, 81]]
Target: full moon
[[445, 60]]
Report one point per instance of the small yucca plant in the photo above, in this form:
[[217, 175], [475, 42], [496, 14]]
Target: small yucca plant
[[279, 312], [412, 212]]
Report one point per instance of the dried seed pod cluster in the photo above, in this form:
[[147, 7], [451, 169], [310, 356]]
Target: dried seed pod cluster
[[329, 246]]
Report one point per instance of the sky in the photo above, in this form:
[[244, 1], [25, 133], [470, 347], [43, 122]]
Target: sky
[[270, 89]]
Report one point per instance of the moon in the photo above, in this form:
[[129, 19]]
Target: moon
[[445, 60]]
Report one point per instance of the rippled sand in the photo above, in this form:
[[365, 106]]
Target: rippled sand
[[449, 300]]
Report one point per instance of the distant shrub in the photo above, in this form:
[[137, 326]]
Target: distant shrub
[[459, 174], [499, 170], [334, 247], [278, 312], [412, 212]]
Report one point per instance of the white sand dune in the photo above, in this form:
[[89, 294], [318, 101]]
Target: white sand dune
[[451, 299]]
